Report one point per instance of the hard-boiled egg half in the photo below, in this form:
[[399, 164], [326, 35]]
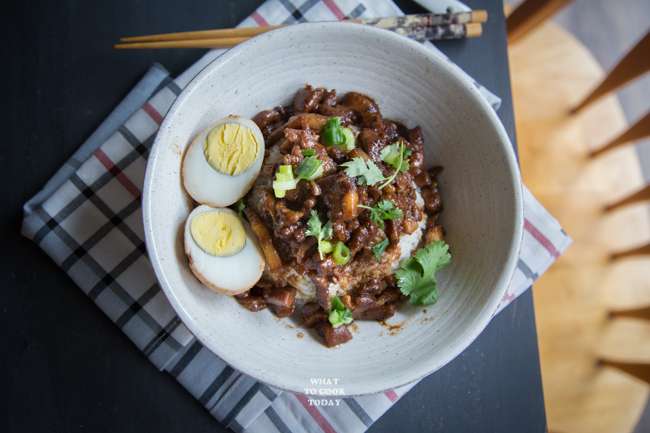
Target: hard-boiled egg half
[[223, 161], [225, 254]]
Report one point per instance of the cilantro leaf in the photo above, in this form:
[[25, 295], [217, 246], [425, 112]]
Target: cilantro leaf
[[398, 163], [336, 304], [389, 153], [366, 172], [388, 210], [316, 228], [379, 248], [374, 214], [416, 276], [392, 154], [384, 210], [339, 315]]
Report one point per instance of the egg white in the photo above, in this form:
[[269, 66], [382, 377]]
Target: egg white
[[205, 184], [225, 275]]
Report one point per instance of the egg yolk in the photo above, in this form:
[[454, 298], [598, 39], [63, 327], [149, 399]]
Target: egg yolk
[[220, 234], [231, 148]]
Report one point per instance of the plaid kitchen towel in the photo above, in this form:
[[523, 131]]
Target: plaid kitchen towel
[[88, 220]]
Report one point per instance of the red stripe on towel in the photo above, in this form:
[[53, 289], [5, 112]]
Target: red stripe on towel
[[117, 173], [508, 297], [392, 396], [155, 116], [539, 237], [259, 19], [335, 9], [315, 414]]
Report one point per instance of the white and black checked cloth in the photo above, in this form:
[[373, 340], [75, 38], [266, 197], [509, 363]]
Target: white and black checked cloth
[[88, 220]]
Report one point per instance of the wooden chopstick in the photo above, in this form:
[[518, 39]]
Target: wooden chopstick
[[419, 27], [203, 34], [189, 43], [478, 16]]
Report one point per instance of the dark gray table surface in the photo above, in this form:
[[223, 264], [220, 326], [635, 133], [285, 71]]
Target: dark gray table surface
[[67, 367]]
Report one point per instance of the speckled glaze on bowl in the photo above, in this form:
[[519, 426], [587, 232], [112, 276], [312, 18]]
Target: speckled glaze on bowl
[[481, 193]]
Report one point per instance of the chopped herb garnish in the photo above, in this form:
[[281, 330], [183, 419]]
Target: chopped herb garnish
[[326, 246], [379, 248], [366, 172], [398, 163], [339, 315], [415, 278], [384, 210], [393, 153], [316, 228], [333, 122], [310, 168], [239, 207], [308, 152], [350, 142], [336, 135], [341, 254], [284, 181]]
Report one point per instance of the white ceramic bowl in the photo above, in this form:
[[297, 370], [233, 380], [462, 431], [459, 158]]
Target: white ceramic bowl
[[481, 194]]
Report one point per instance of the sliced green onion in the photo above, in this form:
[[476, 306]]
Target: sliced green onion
[[284, 181], [326, 246], [285, 185], [308, 168], [339, 315], [333, 136], [334, 122], [318, 174], [341, 254], [279, 193], [308, 152], [350, 141], [336, 135], [339, 318]]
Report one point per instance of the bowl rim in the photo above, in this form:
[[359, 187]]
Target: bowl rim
[[164, 135]]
